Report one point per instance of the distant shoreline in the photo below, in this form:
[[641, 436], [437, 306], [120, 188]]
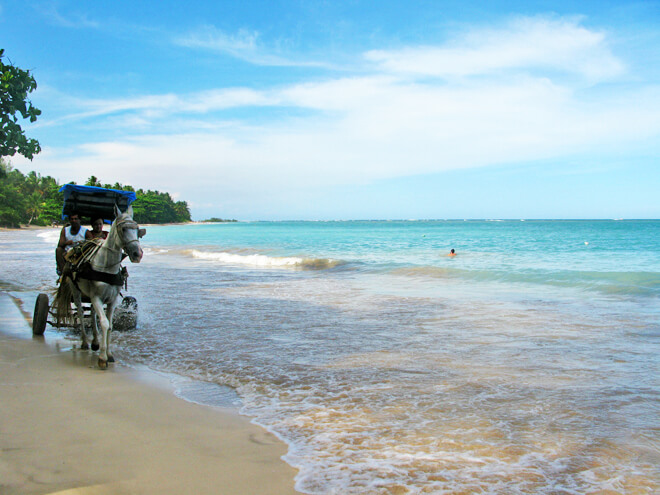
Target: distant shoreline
[[192, 222], [207, 222], [29, 227]]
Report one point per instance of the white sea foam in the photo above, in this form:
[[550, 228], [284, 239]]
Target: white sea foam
[[259, 260], [49, 236], [153, 251], [263, 261]]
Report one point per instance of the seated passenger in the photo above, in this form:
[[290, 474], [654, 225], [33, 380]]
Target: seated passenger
[[69, 236], [97, 230]]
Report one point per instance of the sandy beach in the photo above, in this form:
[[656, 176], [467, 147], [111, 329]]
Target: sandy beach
[[67, 427]]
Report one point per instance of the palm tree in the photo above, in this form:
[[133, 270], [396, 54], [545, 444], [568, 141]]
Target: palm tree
[[93, 181], [34, 206]]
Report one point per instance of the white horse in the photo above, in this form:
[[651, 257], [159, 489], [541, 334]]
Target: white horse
[[102, 283]]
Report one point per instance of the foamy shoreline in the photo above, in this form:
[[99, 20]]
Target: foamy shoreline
[[69, 426]]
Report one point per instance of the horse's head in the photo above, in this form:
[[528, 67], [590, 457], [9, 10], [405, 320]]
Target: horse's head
[[129, 233]]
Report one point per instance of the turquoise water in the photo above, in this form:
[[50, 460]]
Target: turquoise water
[[619, 256], [526, 364]]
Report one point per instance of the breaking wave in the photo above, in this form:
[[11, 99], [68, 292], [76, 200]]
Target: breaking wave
[[263, 261]]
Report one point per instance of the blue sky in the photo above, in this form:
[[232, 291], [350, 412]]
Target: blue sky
[[350, 110]]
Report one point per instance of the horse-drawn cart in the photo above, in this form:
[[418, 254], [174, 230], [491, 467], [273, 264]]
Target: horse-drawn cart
[[124, 318], [93, 275]]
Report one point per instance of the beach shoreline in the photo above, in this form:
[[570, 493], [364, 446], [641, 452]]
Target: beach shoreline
[[169, 224], [30, 227], [68, 427]]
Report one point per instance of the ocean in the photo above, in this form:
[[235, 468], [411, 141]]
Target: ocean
[[526, 364]]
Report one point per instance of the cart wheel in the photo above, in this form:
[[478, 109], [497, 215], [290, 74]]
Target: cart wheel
[[40, 315]]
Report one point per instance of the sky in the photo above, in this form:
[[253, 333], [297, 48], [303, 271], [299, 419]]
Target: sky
[[329, 110]]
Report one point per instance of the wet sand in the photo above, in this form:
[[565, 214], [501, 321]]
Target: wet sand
[[66, 427]]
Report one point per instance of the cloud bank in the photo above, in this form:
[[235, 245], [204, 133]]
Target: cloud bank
[[533, 89]]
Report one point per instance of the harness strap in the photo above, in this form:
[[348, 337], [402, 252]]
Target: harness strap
[[87, 272]]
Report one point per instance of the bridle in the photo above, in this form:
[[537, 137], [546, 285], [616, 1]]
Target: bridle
[[114, 247], [119, 225], [131, 224]]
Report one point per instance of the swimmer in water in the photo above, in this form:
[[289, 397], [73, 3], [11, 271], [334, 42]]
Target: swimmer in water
[[452, 253]]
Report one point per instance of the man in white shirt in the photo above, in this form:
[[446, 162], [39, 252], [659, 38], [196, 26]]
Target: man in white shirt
[[69, 236]]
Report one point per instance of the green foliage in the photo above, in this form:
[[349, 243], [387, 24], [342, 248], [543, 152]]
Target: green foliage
[[93, 181], [151, 206], [35, 200], [217, 220], [28, 199], [15, 85]]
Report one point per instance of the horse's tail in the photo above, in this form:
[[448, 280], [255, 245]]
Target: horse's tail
[[62, 303]]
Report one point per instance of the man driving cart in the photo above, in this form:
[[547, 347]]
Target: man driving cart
[[70, 236]]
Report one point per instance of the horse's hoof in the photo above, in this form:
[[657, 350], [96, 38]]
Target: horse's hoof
[[84, 346], [111, 359], [103, 364], [95, 347]]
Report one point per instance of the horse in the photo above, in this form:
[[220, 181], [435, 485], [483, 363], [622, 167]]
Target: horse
[[101, 282]]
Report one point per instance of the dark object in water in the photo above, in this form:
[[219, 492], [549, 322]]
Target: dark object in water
[[126, 313], [40, 317]]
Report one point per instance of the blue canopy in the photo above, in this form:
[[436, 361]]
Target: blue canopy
[[90, 201]]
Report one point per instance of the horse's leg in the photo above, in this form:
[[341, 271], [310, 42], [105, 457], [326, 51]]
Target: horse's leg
[[109, 313], [95, 330], [77, 299], [103, 320]]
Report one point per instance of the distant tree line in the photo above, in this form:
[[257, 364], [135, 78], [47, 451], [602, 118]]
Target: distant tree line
[[33, 199], [218, 220], [151, 206]]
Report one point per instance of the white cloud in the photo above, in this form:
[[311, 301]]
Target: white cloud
[[243, 45], [382, 129], [74, 20], [153, 110], [525, 44], [221, 99], [211, 38], [387, 124]]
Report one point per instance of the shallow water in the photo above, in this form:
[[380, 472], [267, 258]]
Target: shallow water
[[526, 364]]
